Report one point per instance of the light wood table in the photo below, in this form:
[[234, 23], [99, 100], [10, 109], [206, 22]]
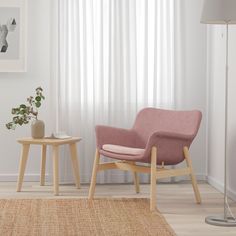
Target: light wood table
[[55, 143]]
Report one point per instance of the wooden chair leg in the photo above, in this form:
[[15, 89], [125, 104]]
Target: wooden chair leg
[[193, 178], [94, 175], [136, 178], [24, 157], [55, 170], [43, 165], [153, 179], [75, 164], [136, 182]]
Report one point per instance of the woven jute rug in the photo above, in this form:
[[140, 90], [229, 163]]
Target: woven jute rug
[[49, 217]]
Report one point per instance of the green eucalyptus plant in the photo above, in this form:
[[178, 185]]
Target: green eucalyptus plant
[[26, 112]]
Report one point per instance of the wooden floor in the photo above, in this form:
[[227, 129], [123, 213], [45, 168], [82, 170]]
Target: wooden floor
[[175, 201]]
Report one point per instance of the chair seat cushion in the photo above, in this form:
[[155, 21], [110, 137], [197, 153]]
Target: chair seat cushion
[[123, 150]]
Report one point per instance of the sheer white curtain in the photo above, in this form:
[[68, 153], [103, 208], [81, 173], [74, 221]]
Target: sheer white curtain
[[113, 57]]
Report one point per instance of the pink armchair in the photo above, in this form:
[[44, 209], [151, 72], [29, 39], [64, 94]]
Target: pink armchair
[[159, 137]]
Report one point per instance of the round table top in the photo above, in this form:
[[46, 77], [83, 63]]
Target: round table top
[[49, 141]]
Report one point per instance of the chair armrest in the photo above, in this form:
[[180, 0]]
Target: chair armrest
[[169, 146], [117, 136], [156, 137], [170, 135]]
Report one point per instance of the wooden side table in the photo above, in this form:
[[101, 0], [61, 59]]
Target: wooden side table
[[55, 143]]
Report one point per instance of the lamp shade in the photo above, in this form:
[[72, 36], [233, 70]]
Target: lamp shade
[[219, 12]]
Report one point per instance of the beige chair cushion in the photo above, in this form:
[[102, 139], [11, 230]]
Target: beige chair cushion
[[123, 150]]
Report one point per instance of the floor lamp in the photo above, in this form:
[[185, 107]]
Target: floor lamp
[[222, 12]]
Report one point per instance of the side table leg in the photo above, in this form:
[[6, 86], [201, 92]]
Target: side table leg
[[24, 157], [55, 170], [43, 165], [75, 164]]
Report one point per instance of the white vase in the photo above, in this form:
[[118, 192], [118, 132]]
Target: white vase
[[37, 129]]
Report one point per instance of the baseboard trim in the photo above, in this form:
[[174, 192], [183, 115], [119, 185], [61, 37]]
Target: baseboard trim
[[27, 177], [220, 187], [201, 177], [115, 176]]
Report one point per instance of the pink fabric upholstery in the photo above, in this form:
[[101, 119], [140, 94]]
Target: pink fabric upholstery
[[123, 150], [168, 130]]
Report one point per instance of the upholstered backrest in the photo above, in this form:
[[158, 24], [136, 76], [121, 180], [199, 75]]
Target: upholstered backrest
[[150, 120]]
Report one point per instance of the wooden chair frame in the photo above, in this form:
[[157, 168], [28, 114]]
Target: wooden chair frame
[[156, 173]]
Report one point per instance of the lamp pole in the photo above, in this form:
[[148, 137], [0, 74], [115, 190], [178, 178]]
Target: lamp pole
[[226, 120]]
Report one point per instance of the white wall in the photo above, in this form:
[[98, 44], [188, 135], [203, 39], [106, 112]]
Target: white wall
[[15, 87], [216, 77]]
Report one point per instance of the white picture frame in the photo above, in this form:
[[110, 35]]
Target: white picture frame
[[13, 35]]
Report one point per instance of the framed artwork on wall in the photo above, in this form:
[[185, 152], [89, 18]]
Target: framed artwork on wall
[[13, 35]]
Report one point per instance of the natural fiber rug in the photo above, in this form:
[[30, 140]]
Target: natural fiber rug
[[49, 217]]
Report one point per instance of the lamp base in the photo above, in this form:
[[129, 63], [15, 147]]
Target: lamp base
[[220, 221]]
